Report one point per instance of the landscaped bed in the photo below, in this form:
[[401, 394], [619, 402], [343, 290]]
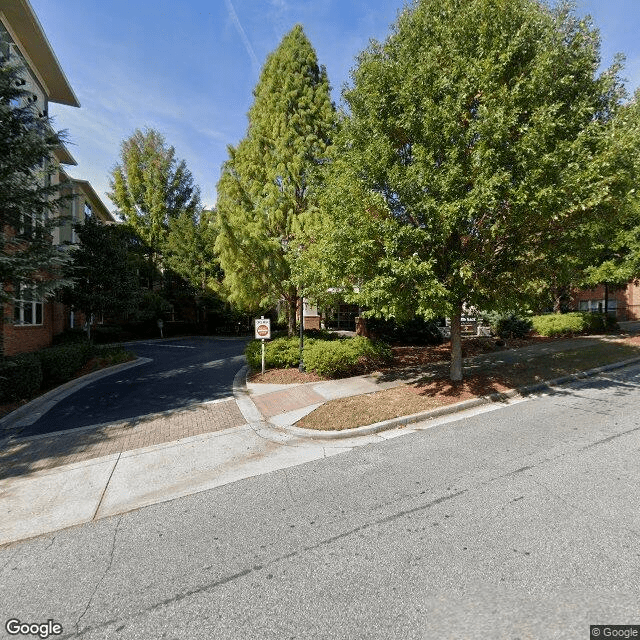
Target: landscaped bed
[[432, 392]]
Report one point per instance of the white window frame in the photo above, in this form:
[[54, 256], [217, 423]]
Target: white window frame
[[26, 307]]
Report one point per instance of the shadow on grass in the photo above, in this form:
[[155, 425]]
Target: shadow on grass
[[500, 379]]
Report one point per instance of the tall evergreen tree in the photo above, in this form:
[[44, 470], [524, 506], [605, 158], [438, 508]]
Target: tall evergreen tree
[[28, 200], [150, 187], [190, 250], [476, 158], [265, 187]]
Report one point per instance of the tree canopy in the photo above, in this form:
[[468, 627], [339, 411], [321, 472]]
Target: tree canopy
[[190, 250], [617, 253], [103, 270], [28, 199], [150, 187], [475, 156], [265, 185]]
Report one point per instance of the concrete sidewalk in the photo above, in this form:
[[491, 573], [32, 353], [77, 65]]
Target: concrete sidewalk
[[51, 482], [284, 405]]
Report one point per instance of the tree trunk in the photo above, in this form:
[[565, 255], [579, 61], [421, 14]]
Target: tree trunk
[[456, 343], [606, 301], [292, 304]]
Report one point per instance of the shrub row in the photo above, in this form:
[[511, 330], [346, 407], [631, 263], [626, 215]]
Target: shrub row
[[508, 325], [327, 357], [559, 324], [20, 377], [344, 357], [24, 375]]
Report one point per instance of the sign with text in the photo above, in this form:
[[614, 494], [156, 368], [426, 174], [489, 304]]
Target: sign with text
[[263, 329]]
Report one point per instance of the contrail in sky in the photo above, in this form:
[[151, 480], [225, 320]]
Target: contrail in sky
[[243, 35]]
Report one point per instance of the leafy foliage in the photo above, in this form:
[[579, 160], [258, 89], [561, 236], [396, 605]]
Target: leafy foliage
[[104, 273], [508, 325], [20, 377], [340, 358], [27, 143], [417, 331], [617, 258], [327, 357], [190, 250], [61, 362], [23, 376], [266, 185], [151, 187], [475, 160], [560, 324], [279, 353]]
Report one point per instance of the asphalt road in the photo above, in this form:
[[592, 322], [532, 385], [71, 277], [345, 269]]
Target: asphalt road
[[182, 372], [519, 523]]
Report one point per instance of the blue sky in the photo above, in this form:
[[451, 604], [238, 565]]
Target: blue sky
[[188, 68]]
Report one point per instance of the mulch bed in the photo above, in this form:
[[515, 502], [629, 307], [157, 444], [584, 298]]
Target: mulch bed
[[408, 356], [413, 356], [285, 376]]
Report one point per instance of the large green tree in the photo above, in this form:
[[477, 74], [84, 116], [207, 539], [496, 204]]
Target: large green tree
[[28, 199], [104, 272], [474, 158], [190, 250], [617, 255], [265, 185], [150, 187]]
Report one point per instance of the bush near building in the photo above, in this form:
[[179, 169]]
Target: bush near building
[[560, 324], [24, 376], [508, 325]]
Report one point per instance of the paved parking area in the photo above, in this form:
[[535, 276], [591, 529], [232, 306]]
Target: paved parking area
[[27, 455]]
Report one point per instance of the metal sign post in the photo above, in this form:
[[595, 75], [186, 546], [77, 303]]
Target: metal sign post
[[263, 332]]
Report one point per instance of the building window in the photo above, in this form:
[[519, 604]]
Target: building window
[[87, 210], [30, 223], [27, 309], [597, 306]]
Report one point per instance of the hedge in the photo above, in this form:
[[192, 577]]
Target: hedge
[[60, 363], [20, 377], [508, 325], [559, 324], [344, 357], [281, 353], [327, 357], [23, 376]]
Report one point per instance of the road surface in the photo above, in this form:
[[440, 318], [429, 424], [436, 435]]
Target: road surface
[[519, 523], [182, 372]]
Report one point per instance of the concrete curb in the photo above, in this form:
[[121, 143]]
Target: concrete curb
[[247, 408], [403, 421], [27, 414]]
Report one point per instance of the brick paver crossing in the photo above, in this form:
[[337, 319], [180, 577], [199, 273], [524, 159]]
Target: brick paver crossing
[[28, 455], [271, 404]]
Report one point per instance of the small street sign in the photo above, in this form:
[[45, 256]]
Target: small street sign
[[263, 329]]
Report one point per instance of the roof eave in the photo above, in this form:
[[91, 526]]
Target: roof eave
[[25, 28]]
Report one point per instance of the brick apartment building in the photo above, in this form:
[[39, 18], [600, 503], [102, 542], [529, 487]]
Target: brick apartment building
[[31, 323], [624, 303]]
